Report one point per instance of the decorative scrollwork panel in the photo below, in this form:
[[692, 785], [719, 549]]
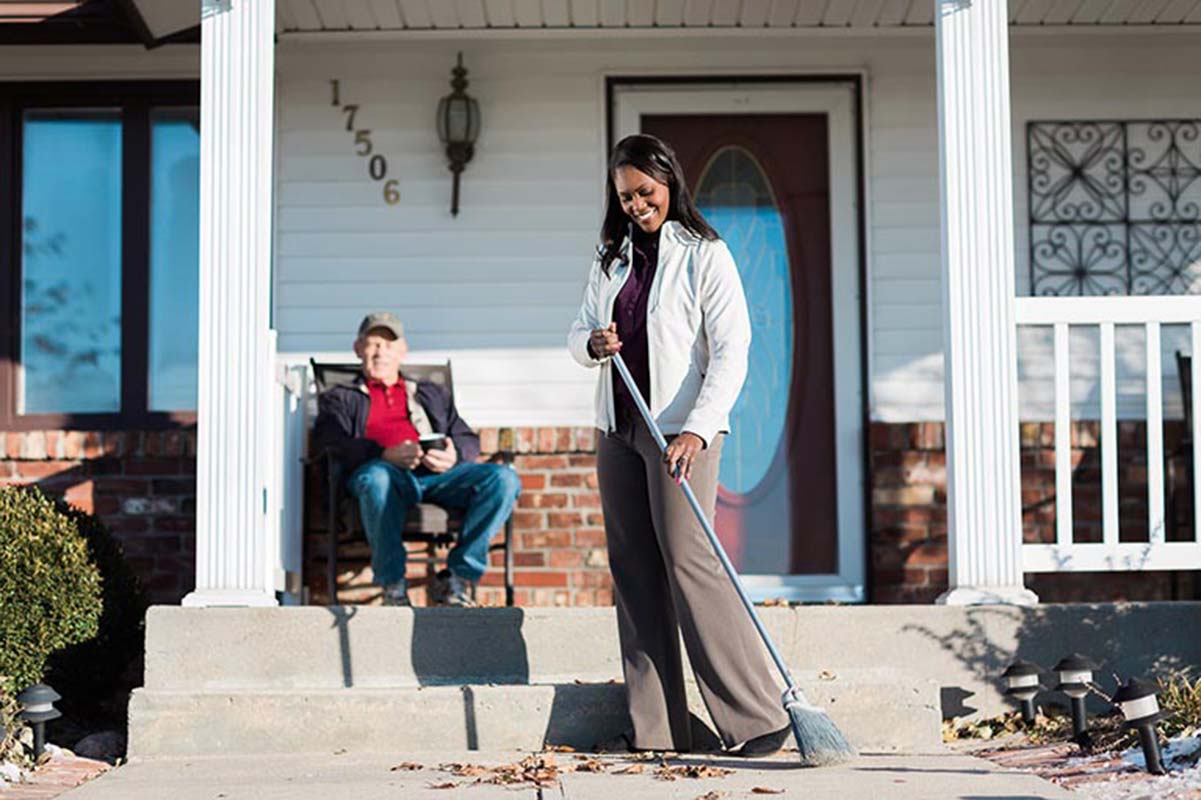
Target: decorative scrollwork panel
[[1115, 207]]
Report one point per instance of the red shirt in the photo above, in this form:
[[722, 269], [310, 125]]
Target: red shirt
[[388, 421]]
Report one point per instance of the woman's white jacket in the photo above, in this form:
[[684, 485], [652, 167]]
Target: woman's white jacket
[[697, 328]]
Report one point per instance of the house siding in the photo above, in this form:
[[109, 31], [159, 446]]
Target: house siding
[[514, 260]]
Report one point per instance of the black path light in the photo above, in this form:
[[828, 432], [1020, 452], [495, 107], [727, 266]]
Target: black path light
[[37, 708], [458, 127], [1021, 678], [1075, 679], [1140, 706]]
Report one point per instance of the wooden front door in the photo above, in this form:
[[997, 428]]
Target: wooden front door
[[763, 181]]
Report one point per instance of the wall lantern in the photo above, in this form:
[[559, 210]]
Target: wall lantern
[[1140, 707], [458, 127], [37, 708], [1075, 680], [1021, 678]]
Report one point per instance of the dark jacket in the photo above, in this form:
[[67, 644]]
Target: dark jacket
[[342, 422]]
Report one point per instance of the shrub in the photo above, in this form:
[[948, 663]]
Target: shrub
[[49, 590], [16, 738], [91, 675]]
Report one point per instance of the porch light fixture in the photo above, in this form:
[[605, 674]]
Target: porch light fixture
[[1139, 704], [37, 708], [458, 127], [1021, 678], [1075, 676]]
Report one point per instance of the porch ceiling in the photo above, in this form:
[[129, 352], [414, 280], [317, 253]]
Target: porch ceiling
[[302, 16]]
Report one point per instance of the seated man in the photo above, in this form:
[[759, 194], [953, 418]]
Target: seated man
[[375, 426]]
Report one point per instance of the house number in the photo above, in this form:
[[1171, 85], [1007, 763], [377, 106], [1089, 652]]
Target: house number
[[377, 164]]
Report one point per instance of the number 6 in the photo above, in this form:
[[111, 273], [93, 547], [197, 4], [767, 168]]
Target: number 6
[[391, 193]]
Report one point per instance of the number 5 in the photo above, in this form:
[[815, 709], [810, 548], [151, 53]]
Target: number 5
[[362, 137]]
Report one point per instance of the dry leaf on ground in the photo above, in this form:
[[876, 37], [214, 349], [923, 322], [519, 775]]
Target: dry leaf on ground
[[766, 790], [590, 765], [716, 794], [446, 785], [539, 770], [464, 770], [558, 748], [632, 769], [667, 772], [406, 766]]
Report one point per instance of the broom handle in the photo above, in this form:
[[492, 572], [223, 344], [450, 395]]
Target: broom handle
[[704, 520]]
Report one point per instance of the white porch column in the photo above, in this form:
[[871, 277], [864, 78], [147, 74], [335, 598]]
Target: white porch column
[[984, 527], [235, 426]]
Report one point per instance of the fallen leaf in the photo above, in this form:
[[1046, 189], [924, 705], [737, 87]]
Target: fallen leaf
[[826, 675], [463, 770], [766, 790], [666, 772], [341, 751], [590, 765], [559, 748], [632, 769], [713, 795], [406, 766], [446, 785]]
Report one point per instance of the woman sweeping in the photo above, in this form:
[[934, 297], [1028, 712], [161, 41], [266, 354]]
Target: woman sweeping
[[664, 293]]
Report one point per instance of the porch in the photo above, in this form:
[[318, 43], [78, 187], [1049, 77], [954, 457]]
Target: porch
[[912, 344]]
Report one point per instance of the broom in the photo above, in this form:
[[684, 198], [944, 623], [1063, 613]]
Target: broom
[[818, 740]]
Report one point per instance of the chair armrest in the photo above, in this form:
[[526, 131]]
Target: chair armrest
[[502, 457]]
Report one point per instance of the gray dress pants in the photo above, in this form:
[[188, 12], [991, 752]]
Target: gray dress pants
[[667, 578]]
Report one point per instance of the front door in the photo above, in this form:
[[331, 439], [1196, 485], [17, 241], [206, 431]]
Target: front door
[[762, 177]]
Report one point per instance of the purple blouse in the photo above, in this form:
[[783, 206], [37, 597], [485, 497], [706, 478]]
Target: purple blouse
[[629, 312]]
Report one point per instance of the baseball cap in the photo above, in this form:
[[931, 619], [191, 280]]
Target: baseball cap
[[382, 319]]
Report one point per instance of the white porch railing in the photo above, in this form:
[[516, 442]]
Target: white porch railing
[[1111, 554]]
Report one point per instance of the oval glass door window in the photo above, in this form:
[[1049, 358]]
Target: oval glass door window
[[735, 196]]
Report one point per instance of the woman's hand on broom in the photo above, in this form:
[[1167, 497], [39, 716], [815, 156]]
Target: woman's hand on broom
[[603, 342], [680, 453]]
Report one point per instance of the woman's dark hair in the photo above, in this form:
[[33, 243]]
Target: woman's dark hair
[[653, 156]]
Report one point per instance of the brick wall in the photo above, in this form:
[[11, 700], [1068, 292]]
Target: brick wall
[[908, 542], [142, 484]]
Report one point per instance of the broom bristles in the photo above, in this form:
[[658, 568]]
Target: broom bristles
[[818, 739]]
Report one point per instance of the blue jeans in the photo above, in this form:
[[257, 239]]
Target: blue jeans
[[486, 492]]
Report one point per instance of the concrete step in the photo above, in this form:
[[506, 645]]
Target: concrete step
[[304, 676], [878, 710]]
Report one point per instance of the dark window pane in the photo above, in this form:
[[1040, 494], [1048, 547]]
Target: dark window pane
[[71, 261], [174, 258]]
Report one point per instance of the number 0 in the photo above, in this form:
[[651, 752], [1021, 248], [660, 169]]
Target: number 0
[[377, 168]]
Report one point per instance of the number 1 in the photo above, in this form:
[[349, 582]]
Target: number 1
[[334, 86]]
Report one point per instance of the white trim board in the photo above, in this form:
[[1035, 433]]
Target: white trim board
[[835, 99]]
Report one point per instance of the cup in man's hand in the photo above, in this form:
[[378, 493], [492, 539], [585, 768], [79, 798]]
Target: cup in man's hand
[[433, 441]]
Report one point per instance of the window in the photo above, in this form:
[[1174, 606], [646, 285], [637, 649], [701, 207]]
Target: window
[[99, 187], [1115, 207]]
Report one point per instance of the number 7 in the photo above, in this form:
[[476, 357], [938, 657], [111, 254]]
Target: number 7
[[350, 110]]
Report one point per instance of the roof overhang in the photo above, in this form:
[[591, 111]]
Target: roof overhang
[[476, 18]]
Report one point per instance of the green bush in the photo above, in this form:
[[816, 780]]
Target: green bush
[[16, 739], [92, 676], [49, 590]]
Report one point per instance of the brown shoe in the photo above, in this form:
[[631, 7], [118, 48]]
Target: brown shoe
[[766, 745]]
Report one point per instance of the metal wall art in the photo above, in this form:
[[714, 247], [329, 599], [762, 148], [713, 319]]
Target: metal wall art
[[1115, 207]]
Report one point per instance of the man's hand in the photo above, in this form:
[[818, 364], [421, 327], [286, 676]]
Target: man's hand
[[406, 455], [441, 460], [682, 451], [603, 342]]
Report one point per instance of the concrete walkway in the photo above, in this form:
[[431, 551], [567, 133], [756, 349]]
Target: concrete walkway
[[355, 776]]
